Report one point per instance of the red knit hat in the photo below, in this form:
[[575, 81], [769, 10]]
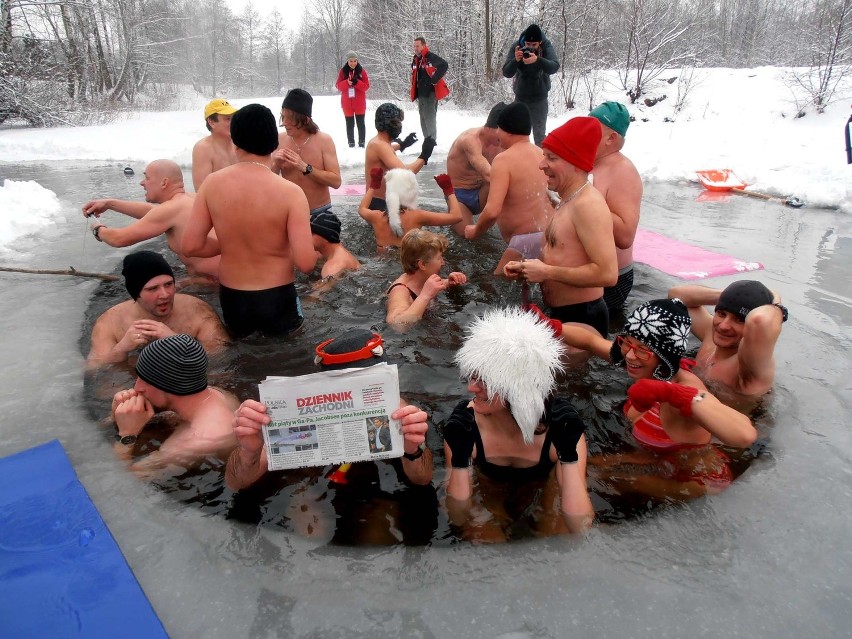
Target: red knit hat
[[576, 141]]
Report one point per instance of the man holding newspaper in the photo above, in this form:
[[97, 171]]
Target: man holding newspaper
[[354, 349]]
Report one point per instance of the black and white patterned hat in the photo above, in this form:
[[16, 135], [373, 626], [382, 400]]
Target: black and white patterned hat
[[176, 364], [663, 326]]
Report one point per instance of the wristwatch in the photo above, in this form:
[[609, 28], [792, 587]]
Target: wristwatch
[[127, 440], [96, 231], [308, 169], [784, 312], [416, 454]]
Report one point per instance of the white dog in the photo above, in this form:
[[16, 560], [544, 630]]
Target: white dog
[[400, 191]]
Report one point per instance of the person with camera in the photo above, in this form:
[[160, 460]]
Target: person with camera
[[531, 61]]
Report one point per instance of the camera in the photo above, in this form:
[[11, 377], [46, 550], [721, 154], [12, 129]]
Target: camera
[[527, 51]]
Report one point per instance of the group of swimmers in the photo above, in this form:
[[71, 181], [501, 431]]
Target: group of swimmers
[[248, 229]]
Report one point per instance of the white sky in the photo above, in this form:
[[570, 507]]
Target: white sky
[[739, 119], [291, 9]]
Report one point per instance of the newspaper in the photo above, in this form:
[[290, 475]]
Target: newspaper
[[332, 417]]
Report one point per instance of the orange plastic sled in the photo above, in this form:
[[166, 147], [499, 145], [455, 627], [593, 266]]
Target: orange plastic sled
[[720, 180]]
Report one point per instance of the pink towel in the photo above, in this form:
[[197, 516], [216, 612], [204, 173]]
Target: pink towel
[[350, 189], [685, 261]]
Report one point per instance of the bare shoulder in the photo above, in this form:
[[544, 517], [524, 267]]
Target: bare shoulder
[[204, 145], [116, 317], [325, 139]]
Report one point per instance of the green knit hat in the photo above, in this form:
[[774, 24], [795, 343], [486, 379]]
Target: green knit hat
[[614, 115]]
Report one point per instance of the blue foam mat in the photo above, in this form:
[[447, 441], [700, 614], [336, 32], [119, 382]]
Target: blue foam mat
[[61, 572]]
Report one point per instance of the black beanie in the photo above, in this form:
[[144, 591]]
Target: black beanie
[[327, 225], [298, 100], [176, 364], [740, 298], [663, 326], [140, 268], [533, 34], [494, 115], [253, 130], [515, 119]]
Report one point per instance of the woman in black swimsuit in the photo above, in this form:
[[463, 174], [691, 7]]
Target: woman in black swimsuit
[[422, 258], [514, 431]]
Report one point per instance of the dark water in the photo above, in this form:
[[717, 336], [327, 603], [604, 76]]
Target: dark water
[[769, 556]]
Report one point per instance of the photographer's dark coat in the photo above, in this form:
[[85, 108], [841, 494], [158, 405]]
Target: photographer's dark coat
[[531, 81]]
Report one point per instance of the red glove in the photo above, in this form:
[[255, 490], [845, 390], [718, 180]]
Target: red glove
[[554, 324], [445, 183], [376, 175], [646, 392]]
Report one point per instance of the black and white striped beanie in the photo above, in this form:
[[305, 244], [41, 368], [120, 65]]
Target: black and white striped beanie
[[176, 364]]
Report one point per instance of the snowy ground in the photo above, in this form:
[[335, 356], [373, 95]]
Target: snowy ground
[[740, 119]]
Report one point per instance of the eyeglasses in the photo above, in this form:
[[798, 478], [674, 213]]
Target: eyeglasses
[[642, 353]]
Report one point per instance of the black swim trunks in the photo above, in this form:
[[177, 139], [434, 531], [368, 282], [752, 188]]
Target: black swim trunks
[[273, 311], [593, 313], [378, 204], [616, 296]]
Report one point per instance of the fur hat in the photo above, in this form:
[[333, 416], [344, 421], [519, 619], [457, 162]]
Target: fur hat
[[663, 326], [253, 130], [389, 119], [576, 141], [742, 297], [400, 190], [176, 364], [515, 119], [298, 101], [516, 356], [141, 267]]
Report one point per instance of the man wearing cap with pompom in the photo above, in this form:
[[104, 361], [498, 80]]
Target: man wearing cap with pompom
[[305, 155], [215, 151], [155, 311], [263, 229], [530, 62], [517, 199], [172, 376], [325, 231], [578, 258], [469, 165], [619, 182], [737, 340]]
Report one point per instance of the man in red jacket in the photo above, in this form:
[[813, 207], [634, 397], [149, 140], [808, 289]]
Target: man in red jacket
[[427, 85], [353, 83]]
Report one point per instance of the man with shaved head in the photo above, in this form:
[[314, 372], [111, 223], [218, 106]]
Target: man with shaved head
[[165, 210]]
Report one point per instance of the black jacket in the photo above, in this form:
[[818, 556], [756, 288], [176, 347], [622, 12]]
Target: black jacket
[[425, 84], [531, 81]]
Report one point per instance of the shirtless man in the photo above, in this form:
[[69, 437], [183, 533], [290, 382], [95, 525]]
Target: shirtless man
[[380, 152], [305, 155], [325, 231], [155, 311], [517, 200], [165, 210], [619, 182], [263, 230], [401, 213], [738, 340], [215, 151], [172, 376], [469, 165], [578, 258]]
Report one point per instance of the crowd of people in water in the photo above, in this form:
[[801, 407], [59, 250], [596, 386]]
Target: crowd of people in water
[[567, 209]]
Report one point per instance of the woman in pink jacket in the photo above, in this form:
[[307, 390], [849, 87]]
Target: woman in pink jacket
[[353, 83]]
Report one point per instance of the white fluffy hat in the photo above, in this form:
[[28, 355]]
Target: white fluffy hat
[[400, 190], [517, 357]]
